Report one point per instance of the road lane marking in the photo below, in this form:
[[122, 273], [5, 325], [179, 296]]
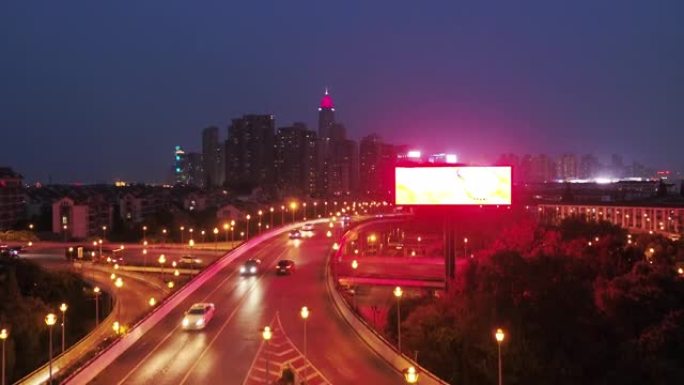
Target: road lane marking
[[156, 347], [232, 314]]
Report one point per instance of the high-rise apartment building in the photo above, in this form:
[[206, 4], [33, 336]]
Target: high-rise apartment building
[[212, 157], [567, 167], [249, 152], [326, 116], [376, 165], [188, 168], [338, 158], [11, 198], [295, 160]]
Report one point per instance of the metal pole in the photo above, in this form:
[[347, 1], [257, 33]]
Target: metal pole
[[399, 324], [500, 378], [97, 309], [3, 362], [305, 338], [50, 360], [63, 327], [268, 363]]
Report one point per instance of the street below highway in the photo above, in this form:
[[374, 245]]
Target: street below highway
[[226, 351]]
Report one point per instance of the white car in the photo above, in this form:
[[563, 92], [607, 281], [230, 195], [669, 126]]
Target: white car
[[198, 316], [307, 227]]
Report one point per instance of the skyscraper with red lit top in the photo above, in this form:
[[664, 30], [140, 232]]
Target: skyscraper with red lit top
[[326, 116]]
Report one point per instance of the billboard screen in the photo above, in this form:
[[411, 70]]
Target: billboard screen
[[453, 185]]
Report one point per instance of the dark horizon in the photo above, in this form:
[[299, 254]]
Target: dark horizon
[[95, 92]]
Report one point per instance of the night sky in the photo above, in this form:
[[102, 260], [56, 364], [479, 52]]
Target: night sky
[[97, 90]]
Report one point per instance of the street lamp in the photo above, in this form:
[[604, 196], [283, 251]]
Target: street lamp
[[411, 375], [104, 232], [144, 229], [118, 283], [293, 208], [163, 236], [499, 335], [267, 334], [248, 217], [282, 215], [182, 230], [216, 231], [63, 308], [65, 227], [271, 210], [96, 292], [152, 302], [226, 227], [304, 209], [465, 247], [304, 313], [315, 211], [260, 214], [162, 261], [398, 293], [3, 336], [202, 232], [50, 321]]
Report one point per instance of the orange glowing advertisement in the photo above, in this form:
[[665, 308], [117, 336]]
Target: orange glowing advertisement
[[453, 185]]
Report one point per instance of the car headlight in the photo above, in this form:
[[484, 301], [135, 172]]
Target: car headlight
[[252, 269], [242, 269], [199, 322], [185, 322]]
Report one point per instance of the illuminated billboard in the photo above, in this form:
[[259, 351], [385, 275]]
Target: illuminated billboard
[[453, 185]]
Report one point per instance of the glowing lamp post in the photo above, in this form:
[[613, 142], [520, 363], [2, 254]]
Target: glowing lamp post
[[499, 335], [282, 215], [226, 227], [465, 247], [293, 208], [152, 302], [50, 321], [304, 313], [411, 375], [144, 229], [248, 217], [3, 336], [63, 308], [118, 283], [267, 334], [398, 293], [162, 261], [182, 231], [216, 231], [97, 292], [261, 213]]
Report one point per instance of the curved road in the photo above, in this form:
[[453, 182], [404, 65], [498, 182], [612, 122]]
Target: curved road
[[230, 351]]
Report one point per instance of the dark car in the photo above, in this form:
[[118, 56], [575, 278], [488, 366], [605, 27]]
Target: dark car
[[250, 267], [295, 234], [10, 251], [285, 266]]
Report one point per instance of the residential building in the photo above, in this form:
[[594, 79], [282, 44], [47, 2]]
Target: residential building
[[12, 199], [212, 158], [376, 167], [81, 218], [249, 152], [295, 160]]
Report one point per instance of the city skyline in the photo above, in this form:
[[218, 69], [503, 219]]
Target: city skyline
[[87, 101]]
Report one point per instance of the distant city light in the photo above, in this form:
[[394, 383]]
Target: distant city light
[[414, 154]]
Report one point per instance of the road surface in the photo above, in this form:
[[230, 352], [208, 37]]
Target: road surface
[[230, 351]]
